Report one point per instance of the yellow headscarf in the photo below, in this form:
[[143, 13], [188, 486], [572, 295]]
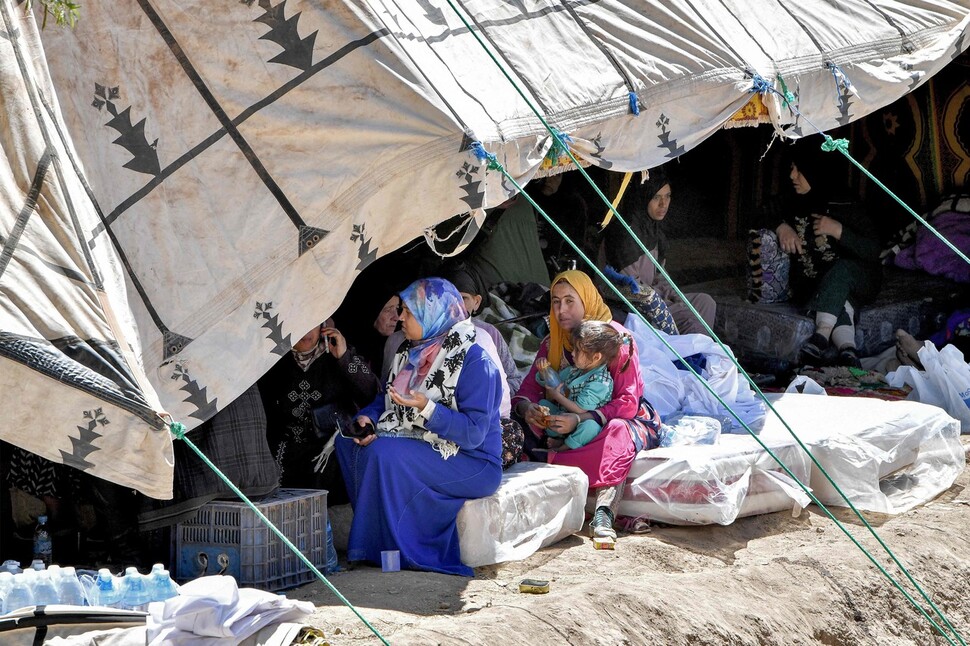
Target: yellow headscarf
[[595, 310]]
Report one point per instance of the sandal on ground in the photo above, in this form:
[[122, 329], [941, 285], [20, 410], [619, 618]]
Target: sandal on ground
[[813, 349]]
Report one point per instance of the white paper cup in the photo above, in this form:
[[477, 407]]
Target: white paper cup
[[391, 561]]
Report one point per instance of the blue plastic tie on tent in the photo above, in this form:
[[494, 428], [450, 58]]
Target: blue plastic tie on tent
[[483, 155], [760, 84], [841, 80], [634, 104]]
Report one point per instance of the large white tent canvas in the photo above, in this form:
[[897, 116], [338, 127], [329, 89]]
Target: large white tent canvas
[[186, 188]]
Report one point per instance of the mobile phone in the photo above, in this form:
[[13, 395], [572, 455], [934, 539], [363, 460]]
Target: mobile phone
[[355, 430]]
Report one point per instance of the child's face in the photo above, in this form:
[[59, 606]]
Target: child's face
[[586, 360]]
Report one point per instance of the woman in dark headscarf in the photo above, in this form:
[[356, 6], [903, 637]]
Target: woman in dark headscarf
[[648, 206], [835, 255], [369, 313]]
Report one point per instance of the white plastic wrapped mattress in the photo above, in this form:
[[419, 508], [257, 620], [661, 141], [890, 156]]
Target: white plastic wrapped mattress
[[885, 456], [536, 505], [702, 485]]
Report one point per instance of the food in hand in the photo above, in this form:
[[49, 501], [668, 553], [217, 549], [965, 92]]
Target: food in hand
[[544, 420]]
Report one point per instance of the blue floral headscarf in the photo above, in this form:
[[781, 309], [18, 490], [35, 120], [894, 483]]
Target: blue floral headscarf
[[437, 306]]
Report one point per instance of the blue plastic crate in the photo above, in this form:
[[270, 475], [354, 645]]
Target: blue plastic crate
[[226, 537]]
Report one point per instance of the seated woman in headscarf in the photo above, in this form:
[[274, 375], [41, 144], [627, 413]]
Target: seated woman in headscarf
[[649, 202], [437, 440], [835, 256], [629, 421]]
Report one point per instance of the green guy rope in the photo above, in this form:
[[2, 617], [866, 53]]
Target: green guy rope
[[178, 430], [493, 164], [842, 145], [662, 271], [762, 86]]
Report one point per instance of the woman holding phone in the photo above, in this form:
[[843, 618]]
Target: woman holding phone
[[430, 442]]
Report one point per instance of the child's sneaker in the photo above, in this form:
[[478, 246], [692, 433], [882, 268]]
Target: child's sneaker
[[601, 526]]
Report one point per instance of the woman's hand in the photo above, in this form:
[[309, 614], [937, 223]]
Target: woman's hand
[[412, 399], [787, 239], [563, 424], [541, 364], [532, 415], [335, 340], [363, 421], [826, 226]]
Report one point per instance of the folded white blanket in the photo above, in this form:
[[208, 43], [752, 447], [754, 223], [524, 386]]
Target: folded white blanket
[[213, 610]]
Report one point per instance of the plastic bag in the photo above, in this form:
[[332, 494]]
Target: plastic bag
[[682, 430], [943, 382], [332, 563], [805, 385]]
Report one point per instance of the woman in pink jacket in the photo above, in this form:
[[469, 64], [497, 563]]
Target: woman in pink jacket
[[629, 421]]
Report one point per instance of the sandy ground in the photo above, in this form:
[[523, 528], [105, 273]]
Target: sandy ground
[[771, 579]]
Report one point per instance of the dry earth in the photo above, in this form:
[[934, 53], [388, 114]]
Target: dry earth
[[772, 579]]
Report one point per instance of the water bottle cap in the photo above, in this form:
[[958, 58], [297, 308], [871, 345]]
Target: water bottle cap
[[131, 571], [6, 575], [68, 570], [104, 573], [158, 567], [37, 564], [42, 520]]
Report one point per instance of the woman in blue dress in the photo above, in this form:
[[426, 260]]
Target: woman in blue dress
[[436, 441]]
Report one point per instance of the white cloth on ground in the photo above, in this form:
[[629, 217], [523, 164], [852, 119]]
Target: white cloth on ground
[[214, 610]]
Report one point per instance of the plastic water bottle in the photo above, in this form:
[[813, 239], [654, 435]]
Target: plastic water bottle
[[11, 566], [161, 585], [109, 589], [45, 594], [6, 580], [19, 596], [136, 594], [332, 564], [90, 586], [551, 377], [69, 588], [43, 547]]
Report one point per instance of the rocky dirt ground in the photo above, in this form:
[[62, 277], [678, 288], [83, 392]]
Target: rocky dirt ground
[[772, 579]]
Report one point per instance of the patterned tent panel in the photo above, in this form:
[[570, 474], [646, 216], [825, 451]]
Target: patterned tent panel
[[185, 191]]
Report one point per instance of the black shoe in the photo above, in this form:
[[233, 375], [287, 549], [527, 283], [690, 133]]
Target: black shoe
[[848, 358], [813, 349]]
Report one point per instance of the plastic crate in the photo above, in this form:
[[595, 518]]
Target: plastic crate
[[227, 537]]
